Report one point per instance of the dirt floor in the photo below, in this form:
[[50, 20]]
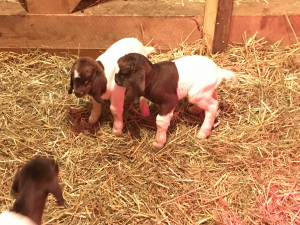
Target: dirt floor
[[182, 7], [186, 7]]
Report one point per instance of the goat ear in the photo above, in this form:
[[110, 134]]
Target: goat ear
[[56, 191], [132, 64], [71, 80], [15, 185], [138, 86], [71, 86], [100, 64], [99, 86]]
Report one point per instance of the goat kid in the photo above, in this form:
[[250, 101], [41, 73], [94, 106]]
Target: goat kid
[[32, 184], [165, 83], [96, 78]]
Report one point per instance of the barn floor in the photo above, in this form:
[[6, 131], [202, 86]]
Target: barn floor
[[186, 7], [246, 172], [180, 7]]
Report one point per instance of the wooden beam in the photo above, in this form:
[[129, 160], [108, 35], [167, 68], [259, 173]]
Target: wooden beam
[[222, 26], [94, 31], [209, 22], [51, 6], [271, 28], [72, 4], [216, 25]]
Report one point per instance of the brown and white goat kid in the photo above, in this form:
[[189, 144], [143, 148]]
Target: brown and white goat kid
[[165, 83], [96, 78], [32, 184]]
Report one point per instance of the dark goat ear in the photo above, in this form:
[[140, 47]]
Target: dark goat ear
[[56, 191], [71, 80], [71, 86], [100, 64], [15, 185], [99, 86], [139, 85]]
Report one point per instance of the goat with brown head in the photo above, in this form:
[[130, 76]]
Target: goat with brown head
[[165, 83], [87, 78], [32, 184], [96, 79]]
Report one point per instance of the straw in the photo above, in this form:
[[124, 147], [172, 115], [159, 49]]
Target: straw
[[246, 172]]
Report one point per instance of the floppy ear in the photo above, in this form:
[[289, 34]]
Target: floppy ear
[[138, 85], [15, 185], [99, 86], [132, 61], [56, 191], [71, 81], [100, 64], [71, 86]]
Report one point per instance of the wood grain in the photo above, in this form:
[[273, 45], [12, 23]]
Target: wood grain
[[209, 22], [222, 26], [271, 28], [94, 32], [51, 6]]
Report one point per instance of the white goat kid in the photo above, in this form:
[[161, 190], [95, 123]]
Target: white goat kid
[[96, 78]]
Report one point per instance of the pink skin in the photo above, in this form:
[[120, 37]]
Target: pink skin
[[162, 123]]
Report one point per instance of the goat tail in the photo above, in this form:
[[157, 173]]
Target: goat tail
[[148, 50], [229, 75]]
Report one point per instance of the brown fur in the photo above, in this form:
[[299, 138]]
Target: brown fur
[[92, 79], [32, 184], [156, 82]]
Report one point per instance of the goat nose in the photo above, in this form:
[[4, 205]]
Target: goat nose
[[78, 94]]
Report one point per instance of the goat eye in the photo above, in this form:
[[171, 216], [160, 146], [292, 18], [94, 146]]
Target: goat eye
[[86, 83]]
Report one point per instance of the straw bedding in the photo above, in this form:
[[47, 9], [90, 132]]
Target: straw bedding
[[84, 4], [246, 172]]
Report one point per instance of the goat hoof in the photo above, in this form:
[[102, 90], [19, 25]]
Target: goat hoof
[[203, 135], [157, 145], [117, 132], [92, 119]]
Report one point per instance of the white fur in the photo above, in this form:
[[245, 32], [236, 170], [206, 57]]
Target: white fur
[[76, 74], [13, 218], [162, 123], [198, 79], [114, 92], [199, 73]]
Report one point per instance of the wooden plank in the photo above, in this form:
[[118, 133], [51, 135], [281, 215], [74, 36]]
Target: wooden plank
[[11, 8], [93, 31], [216, 24], [209, 22], [86, 31], [222, 26], [271, 28], [72, 4], [51, 6]]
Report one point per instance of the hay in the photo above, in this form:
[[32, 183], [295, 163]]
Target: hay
[[246, 172], [84, 4]]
